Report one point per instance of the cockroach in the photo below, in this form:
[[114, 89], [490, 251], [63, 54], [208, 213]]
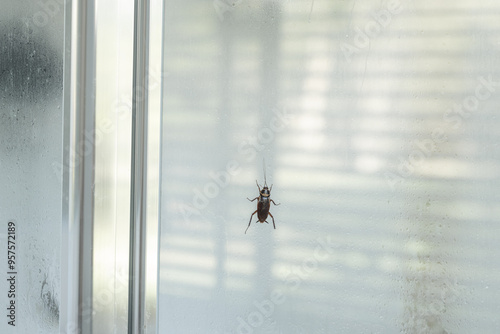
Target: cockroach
[[263, 204]]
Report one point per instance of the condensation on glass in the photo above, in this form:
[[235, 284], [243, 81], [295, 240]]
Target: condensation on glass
[[31, 125], [379, 129]]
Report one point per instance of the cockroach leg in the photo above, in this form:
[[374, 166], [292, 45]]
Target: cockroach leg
[[273, 219], [250, 221]]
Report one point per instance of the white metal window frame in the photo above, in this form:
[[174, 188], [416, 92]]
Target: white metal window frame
[[82, 299]]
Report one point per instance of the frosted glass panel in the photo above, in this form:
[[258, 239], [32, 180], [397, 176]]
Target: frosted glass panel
[[377, 125], [31, 76]]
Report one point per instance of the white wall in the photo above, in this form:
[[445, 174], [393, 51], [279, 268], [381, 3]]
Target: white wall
[[389, 210]]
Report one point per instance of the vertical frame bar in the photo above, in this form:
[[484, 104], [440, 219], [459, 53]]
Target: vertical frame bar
[[155, 78], [67, 288], [138, 214], [114, 58], [78, 211]]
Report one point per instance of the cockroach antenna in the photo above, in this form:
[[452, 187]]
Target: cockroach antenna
[[264, 168]]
